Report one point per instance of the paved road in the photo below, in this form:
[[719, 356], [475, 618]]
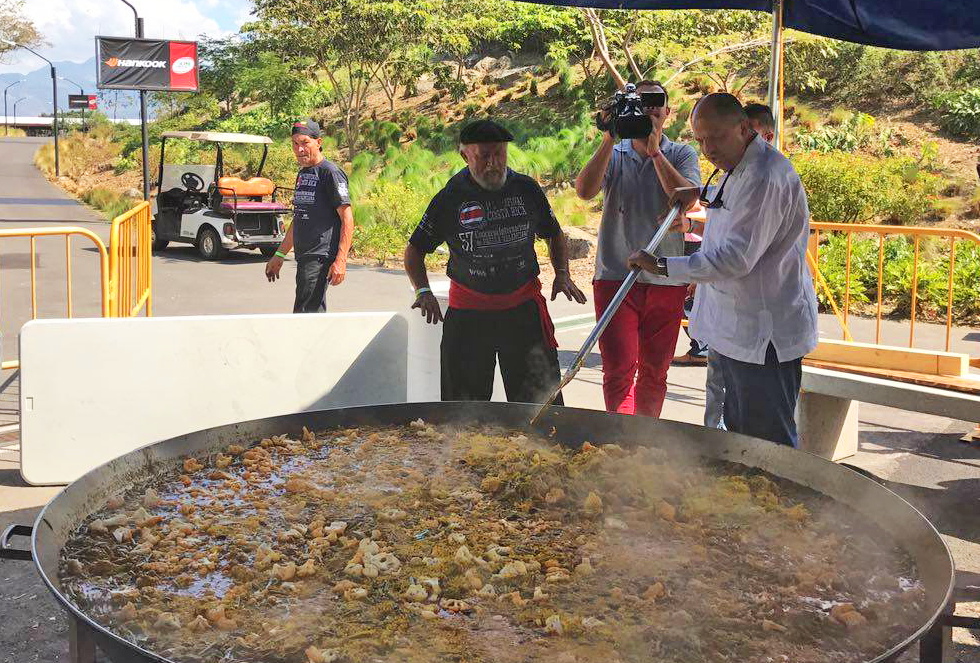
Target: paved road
[[918, 455]]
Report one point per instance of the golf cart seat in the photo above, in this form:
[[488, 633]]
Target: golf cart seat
[[253, 205], [255, 186], [239, 194]]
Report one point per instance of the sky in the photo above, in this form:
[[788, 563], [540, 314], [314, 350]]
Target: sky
[[70, 26]]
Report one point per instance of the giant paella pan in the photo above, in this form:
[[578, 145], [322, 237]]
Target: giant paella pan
[[450, 531]]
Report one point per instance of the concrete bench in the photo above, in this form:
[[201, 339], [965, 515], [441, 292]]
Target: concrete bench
[[827, 412]]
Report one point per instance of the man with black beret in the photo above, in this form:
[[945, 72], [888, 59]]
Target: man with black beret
[[489, 216], [323, 223]]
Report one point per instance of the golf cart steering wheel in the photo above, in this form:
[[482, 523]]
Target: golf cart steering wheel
[[192, 181]]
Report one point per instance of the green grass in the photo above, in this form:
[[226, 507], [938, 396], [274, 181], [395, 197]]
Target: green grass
[[110, 203]]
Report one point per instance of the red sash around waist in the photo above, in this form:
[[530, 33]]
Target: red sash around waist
[[461, 297]]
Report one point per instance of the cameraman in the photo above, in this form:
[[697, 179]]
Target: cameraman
[[638, 176]]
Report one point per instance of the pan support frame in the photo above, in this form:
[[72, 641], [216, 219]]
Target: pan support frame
[[81, 645], [936, 646]]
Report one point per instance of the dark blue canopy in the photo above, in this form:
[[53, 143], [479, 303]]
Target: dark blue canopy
[[915, 25]]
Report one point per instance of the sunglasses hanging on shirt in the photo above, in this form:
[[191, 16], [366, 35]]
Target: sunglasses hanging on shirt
[[717, 202]]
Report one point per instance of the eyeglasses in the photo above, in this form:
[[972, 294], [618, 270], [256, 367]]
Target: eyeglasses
[[717, 202]]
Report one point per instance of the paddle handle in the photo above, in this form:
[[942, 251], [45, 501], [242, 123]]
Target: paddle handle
[[610, 311]]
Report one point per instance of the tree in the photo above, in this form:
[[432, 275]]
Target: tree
[[16, 27], [592, 43], [111, 98], [601, 45], [461, 25], [350, 41], [221, 62], [403, 71], [271, 79], [166, 104]]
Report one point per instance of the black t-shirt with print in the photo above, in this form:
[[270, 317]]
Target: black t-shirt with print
[[320, 190], [490, 233]]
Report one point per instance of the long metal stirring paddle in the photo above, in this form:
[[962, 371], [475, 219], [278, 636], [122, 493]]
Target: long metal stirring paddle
[[608, 313]]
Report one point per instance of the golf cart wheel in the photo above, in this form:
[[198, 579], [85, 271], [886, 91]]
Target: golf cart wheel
[[158, 244], [209, 244], [268, 251]]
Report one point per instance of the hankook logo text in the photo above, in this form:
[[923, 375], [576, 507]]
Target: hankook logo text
[[145, 64]]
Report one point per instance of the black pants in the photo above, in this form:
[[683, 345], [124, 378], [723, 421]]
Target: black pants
[[760, 399], [311, 284], [472, 341]]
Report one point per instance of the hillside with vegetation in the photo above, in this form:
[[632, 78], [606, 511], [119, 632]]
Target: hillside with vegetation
[[878, 136]]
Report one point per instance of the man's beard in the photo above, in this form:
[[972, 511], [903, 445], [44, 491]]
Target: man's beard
[[491, 181]]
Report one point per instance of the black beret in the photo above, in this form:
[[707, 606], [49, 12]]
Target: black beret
[[484, 131], [307, 128]]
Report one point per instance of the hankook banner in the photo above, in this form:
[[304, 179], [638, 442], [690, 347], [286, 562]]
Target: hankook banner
[[82, 102], [146, 64]]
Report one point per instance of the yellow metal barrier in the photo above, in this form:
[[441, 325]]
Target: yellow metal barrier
[[131, 281], [66, 232], [917, 232]]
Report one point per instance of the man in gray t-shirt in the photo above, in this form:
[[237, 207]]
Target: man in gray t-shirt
[[637, 177]]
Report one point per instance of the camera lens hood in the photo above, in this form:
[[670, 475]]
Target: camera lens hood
[[633, 126]]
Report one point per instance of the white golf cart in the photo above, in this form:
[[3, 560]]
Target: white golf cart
[[199, 205]]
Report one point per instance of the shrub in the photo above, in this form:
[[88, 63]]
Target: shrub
[[681, 115], [864, 269], [837, 186], [381, 134], [564, 87], [79, 154], [443, 76], [111, 203], [569, 208], [124, 164], [258, 120], [852, 188], [973, 203], [386, 218], [933, 279], [854, 132], [959, 112], [872, 74]]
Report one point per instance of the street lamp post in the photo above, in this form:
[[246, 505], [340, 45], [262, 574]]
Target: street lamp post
[[6, 132], [81, 90], [54, 99], [146, 157], [15, 108]]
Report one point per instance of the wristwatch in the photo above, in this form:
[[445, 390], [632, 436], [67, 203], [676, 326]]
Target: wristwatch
[[662, 266]]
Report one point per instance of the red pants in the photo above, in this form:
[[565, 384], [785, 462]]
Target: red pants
[[642, 335]]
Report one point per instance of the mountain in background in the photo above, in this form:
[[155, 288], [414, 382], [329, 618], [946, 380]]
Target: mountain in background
[[36, 89]]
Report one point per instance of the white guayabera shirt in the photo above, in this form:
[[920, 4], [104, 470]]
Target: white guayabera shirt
[[754, 284]]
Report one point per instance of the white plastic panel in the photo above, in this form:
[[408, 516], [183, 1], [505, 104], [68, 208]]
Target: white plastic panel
[[94, 389]]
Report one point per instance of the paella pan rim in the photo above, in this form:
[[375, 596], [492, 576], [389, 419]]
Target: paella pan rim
[[572, 425]]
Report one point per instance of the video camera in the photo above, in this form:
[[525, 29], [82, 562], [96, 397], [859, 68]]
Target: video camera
[[627, 113]]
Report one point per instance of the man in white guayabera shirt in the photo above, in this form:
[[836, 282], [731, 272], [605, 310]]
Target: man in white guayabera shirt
[[755, 304]]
